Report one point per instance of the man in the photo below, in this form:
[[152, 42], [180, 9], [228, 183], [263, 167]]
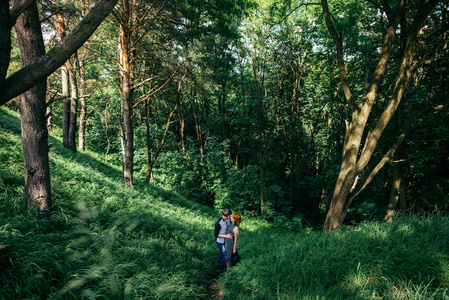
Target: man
[[220, 229]]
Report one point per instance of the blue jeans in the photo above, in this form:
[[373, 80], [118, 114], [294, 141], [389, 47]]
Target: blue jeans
[[222, 256]]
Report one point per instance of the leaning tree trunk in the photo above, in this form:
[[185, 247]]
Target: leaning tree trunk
[[32, 115]]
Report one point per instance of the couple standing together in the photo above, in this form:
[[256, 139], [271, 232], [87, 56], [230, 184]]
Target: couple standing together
[[226, 233]]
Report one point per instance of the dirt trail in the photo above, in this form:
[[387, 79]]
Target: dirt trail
[[213, 290]]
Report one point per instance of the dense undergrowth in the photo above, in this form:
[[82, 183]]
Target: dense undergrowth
[[105, 241]]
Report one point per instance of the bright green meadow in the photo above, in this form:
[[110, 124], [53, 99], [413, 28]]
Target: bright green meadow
[[105, 241]]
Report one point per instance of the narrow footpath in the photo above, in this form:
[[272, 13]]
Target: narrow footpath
[[213, 290]]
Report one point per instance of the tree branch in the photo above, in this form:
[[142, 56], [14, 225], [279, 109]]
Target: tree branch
[[340, 60], [390, 154], [297, 7], [17, 10], [401, 85], [162, 86], [28, 76]]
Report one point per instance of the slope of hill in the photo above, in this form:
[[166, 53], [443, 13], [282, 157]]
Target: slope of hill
[[102, 240]]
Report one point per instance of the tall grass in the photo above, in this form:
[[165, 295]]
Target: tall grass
[[407, 259]]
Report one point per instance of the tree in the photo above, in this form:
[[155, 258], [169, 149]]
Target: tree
[[60, 28], [32, 114], [36, 67], [5, 40], [127, 91], [30, 75], [354, 161]]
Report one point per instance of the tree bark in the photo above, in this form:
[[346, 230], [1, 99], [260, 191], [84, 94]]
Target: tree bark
[[32, 114], [17, 9], [82, 100], [33, 73], [127, 93], [73, 105], [65, 106], [5, 40], [59, 24], [198, 130], [149, 177], [398, 170], [395, 192], [182, 123]]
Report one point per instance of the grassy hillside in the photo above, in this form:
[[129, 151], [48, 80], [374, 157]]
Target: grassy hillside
[[103, 240], [110, 242], [408, 259]]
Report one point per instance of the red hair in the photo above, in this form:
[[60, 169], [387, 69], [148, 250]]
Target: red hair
[[237, 219]]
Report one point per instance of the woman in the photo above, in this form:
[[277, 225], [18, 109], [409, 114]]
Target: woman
[[232, 233]]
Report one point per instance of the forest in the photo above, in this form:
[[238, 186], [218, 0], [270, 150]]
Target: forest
[[126, 127]]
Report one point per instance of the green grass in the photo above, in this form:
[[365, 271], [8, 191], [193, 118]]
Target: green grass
[[105, 241], [407, 259]]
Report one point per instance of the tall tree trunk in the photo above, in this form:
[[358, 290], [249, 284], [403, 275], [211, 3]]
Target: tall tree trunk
[[106, 118], [397, 180], [82, 87], [59, 23], [5, 40], [197, 127], [82, 100], [182, 124], [32, 114], [263, 160], [65, 107], [149, 177], [353, 162], [398, 174], [73, 105], [127, 93]]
